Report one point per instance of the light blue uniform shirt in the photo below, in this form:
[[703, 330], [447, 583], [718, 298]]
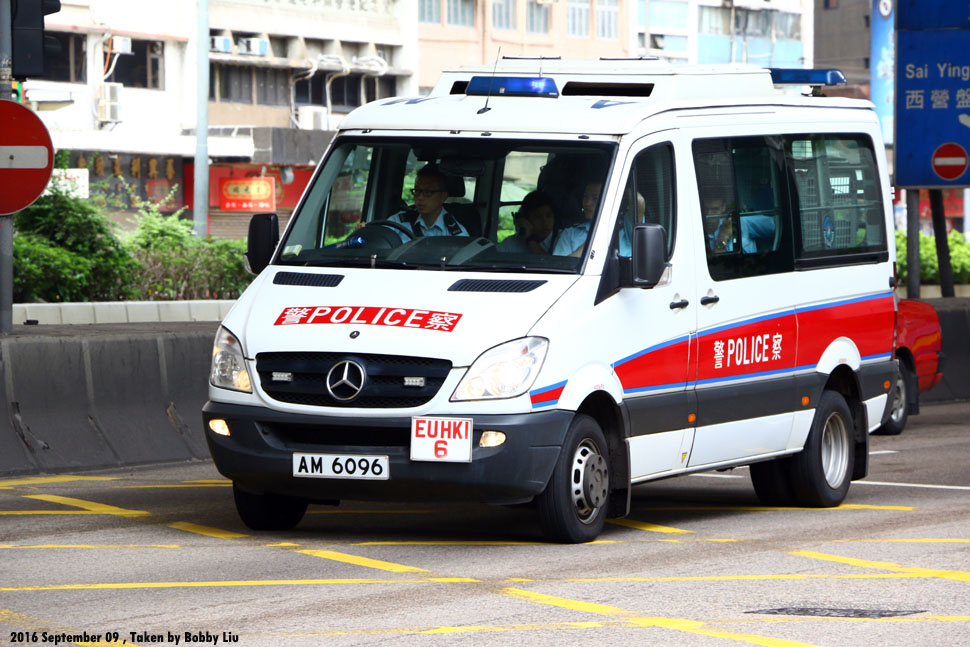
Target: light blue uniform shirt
[[516, 244], [571, 238], [437, 229]]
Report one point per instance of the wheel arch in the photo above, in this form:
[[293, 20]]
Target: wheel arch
[[601, 407]]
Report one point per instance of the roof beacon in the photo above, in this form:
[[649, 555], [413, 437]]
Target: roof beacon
[[797, 76], [512, 86]]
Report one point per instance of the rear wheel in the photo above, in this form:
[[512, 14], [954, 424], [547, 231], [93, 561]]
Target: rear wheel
[[899, 398], [572, 508], [268, 511], [822, 471]]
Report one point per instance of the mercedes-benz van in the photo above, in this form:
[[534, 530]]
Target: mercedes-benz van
[[709, 285]]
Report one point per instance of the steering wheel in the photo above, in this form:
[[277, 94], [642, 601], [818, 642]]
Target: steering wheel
[[376, 234]]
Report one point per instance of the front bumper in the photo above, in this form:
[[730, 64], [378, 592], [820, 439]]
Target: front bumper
[[258, 455]]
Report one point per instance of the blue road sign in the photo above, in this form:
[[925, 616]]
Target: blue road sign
[[926, 14], [932, 107]]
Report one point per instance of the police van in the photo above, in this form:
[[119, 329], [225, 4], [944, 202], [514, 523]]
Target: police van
[[706, 284]]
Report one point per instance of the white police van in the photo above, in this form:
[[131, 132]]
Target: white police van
[[731, 305]]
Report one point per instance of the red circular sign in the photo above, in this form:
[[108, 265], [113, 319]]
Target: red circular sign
[[950, 161], [26, 157]]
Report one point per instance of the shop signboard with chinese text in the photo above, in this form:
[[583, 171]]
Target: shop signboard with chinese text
[[247, 194]]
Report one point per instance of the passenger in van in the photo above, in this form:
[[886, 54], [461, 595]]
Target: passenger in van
[[429, 217], [535, 226], [757, 230], [572, 239]]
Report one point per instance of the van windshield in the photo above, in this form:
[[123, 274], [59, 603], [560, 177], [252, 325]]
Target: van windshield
[[470, 204]]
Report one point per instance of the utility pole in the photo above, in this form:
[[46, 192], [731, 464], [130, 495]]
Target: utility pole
[[6, 222], [200, 194]]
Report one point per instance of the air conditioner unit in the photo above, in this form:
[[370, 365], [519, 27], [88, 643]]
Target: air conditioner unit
[[256, 46], [220, 44], [121, 44], [109, 102], [312, 117]]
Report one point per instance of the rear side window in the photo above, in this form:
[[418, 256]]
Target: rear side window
[[744, 205], [649, 196], [837, 199]]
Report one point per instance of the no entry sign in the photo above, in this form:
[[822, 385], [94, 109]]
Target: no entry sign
[[26, 157], [949, 161]]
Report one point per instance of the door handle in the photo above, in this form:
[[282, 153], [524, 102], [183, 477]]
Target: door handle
[[676, 305], [706, 301]]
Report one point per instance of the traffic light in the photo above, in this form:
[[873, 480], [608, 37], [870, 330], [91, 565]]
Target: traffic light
[[30, 45]]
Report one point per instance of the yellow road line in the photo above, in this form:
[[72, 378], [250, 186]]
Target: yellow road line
[[391, 631], [44, 480], [91, 546], [363, 561], [742, 578], [90, 506], [207, 584], [959, 576], [206, 530], [924, 540], [637, 620], [650, 527], [47, 512]]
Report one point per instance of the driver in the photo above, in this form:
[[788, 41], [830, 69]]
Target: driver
[[429, 217]]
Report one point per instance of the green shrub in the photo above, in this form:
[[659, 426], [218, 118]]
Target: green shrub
[[928, 260], [75, 226], [46, 272]]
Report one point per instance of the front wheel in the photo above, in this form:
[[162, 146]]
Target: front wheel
[[572, 508], [822, 471], [268, 511]]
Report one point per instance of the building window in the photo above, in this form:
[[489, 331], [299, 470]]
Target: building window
[[537, 18], [577, 18], [231, 83], [429, 11], [830, 4], [346, 92], [607, 13], [715, 21], [272, 86], [143, 68], [70, 66], [461, 13], [503, 14]]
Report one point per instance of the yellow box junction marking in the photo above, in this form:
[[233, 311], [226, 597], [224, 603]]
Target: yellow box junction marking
[[89, 506], [650, 527], [7, 484], [959, 576], [363, 561], [635, 619], [206, 530]]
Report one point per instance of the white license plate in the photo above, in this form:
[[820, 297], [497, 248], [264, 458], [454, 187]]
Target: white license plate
[[341, 466], [441, 439]]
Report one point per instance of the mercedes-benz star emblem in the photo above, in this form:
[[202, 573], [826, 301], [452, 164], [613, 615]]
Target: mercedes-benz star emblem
[[345, 380]]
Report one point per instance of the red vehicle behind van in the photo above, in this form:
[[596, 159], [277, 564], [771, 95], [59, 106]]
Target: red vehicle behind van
[[919, 356]]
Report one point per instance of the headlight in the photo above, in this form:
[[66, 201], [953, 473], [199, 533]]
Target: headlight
[[506, 371], [228, 364]]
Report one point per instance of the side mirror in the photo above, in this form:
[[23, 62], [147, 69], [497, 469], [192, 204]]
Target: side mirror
[[264, 234], [649, 255]]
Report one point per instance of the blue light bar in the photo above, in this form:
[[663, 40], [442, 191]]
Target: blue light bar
[[797, 76], [512, 86]]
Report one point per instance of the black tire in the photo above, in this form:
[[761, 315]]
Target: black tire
[[268, 511], [572, 508], [822, 471], [771, 482], [899, 397]]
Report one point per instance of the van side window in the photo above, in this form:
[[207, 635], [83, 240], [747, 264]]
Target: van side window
[[838, 200], [744, 206], [649, 196]]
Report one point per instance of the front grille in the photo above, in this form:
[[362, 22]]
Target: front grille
[[383, 387], [320, 437]]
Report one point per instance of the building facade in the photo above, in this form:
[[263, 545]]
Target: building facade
[[769, 33], [120, 100]]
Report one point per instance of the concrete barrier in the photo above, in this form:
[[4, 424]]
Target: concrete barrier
[[103, 395], [108, 312], [955, 328]]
